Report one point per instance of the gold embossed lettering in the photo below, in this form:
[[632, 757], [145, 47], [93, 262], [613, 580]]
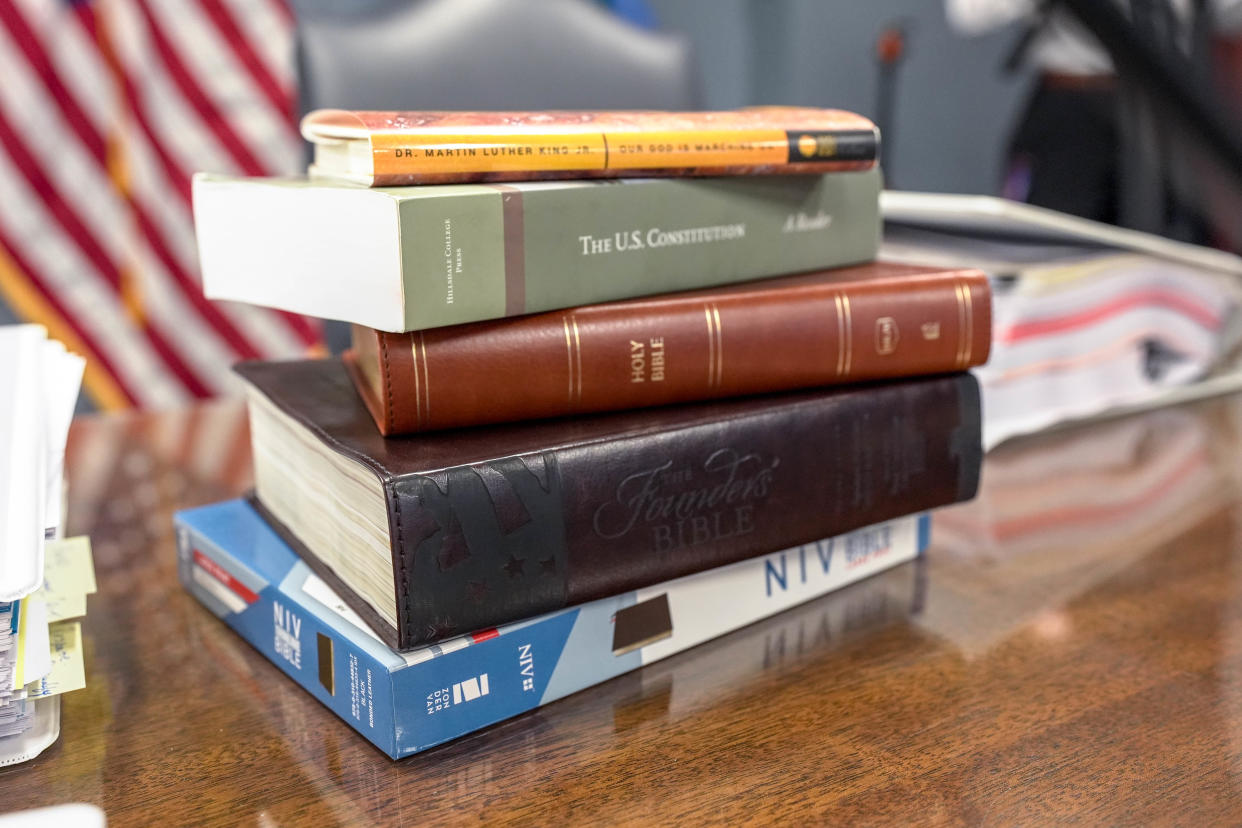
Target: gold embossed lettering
[[638, 362], [886, 335], [657, 358]]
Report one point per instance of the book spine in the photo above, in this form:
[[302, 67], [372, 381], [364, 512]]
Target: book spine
[[493, 542], [435, 147], [459, 686], [525, 666], [486, 252], [659, 351], [292, 634], [401, 158]]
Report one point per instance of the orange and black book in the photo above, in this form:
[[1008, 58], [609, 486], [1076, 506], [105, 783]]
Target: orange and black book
[[834, 327], [385, 149]]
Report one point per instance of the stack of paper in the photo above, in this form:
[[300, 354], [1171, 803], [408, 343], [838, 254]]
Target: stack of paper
[[44, 580], [1087, 319]]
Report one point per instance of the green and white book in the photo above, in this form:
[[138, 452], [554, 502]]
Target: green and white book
[[409, 258]]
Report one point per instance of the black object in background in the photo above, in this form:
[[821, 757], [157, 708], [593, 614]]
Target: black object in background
[[1182, 94], [890, 52]]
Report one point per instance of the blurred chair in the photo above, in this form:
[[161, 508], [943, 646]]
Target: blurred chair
[[485, 54]]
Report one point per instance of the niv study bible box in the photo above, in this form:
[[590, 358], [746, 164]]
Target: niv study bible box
[[241, 570]]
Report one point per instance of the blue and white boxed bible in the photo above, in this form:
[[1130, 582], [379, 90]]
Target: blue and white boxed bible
[[237, 566]]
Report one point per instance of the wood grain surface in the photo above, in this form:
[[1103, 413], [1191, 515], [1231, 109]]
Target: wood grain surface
[[1070, 651]]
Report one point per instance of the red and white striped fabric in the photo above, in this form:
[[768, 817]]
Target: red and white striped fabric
[[106, 109]]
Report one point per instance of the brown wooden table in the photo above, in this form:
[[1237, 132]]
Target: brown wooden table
[[1073, 649]]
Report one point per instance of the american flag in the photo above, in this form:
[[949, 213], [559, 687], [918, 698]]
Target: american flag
[[106, 109]]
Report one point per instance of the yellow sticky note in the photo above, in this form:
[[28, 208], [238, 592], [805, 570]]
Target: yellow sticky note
[[68, 567], [68, 577], [68, 667], [61, 607]]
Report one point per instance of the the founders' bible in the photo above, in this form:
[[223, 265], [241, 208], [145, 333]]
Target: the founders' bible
[[385, 149], [875, 321], [434, 535]]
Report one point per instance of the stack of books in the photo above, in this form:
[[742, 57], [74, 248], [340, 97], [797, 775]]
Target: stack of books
[[619, 383], [44, 577]]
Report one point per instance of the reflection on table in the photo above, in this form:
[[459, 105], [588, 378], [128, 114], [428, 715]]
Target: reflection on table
[[1073, 645]]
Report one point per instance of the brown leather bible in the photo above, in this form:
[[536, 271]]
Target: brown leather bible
[[875, 321], [435, 535]]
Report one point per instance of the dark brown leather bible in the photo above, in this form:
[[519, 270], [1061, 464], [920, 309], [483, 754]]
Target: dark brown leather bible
[[874, 321], [436, 535]]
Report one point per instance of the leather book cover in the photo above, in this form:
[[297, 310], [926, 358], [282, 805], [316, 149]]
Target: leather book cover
[[875, 321], [489, 525], [385, 149]]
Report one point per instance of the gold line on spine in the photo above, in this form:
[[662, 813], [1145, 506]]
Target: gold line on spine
[[719, 346], [418, 391], [970, 325], [711, 346], [957, 354], [849, 334], [961, 324], [426, 377], [840, 336], [569, 355], [578, 349]]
